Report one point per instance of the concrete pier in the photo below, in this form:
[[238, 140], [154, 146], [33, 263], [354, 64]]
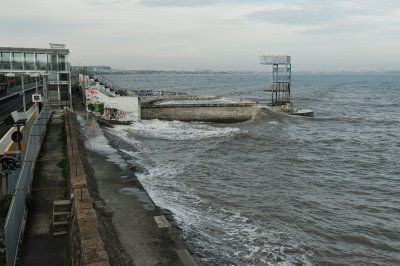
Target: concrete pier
[[208, 109]]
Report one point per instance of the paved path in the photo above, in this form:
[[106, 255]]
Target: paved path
[[40, 247], [127, 222]]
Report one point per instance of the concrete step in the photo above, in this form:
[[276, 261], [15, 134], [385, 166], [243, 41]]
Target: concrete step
[[61, 205], [60, 216], [60, 226], [60, 233]]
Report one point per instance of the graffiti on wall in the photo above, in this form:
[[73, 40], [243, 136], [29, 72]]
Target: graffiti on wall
[[106, 106], [115, 114], [10, 162], [96, 108]]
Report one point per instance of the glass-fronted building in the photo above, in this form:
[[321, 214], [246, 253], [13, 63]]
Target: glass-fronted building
[[52, 64]]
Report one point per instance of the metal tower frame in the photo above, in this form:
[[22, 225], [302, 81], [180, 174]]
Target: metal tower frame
[[281, 78]]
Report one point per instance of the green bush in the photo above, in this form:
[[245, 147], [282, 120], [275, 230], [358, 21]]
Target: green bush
[[5, 203], [29, 200]]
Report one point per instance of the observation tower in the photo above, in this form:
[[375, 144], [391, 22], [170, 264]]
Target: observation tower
[[281, 78]]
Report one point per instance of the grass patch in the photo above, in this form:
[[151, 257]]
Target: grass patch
[[29, 200], [5, 203], [21, 255], [63, 164], [63, 138], [3, 259], [67, 254]]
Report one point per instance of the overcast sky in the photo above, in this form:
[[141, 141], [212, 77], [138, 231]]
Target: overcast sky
[[210, 34]]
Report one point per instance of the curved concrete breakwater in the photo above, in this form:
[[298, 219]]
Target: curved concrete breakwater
[[112, 107], [198, 108]]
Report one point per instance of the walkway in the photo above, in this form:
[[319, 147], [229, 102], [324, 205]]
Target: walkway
[[40, 247]]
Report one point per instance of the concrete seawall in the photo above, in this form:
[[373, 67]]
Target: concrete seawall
[[132, 227], [201, 108], [86, 246], [222, 113]]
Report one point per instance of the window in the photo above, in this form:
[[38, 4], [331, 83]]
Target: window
[[62, 62], [52, 77], [5, 60], [64, 93], [52, 62], [40, 61], [63, 77], [29, 61], [17, 61]]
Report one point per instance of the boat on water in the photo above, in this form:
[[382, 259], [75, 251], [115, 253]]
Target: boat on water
[[304, 112]]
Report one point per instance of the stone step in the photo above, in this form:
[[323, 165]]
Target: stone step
[[60, 226], [60, 216], [61, 205], [60, 233]]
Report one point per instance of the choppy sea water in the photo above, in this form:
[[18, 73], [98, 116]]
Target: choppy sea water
[[277, 190]]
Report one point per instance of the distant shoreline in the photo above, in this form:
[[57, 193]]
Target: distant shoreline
[[172, 72]]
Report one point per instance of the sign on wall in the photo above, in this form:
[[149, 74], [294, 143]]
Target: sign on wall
[[10, 162], [36, 98]]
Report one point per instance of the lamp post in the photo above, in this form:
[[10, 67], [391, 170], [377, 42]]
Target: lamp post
[[23, 92], [44, 76]]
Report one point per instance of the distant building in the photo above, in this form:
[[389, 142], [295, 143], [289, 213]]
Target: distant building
[[92, 69], [51, 64]]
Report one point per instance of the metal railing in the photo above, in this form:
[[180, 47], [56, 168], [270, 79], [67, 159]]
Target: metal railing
[[16, 89], [108, 83], [16, 212], [114, 87], [274, 59]]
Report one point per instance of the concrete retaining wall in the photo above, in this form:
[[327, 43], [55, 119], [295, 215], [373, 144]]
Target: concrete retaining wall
[[86, 246], [108, 105], [222, 113]]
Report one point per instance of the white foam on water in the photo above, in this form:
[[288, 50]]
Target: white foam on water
[[208, 227], [177, 130], [204, 226], [97, 142], [210, 101]]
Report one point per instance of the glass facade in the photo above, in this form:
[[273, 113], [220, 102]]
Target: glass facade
[[64, 92], [17, 61], [52, 77], [29, 61], [6, 57], [41, 62], [62, 62], [52, 62], [63, 77]]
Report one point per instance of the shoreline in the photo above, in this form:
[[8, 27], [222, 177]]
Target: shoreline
[[126, 212]]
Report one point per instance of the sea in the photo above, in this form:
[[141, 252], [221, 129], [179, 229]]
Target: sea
[[278, 189]]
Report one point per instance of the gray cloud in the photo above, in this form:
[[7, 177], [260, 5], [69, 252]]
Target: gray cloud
[[105, 2], [340, 28], [293, 16], [194, 3], [322, 17], [312, 12], [183, 3]]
